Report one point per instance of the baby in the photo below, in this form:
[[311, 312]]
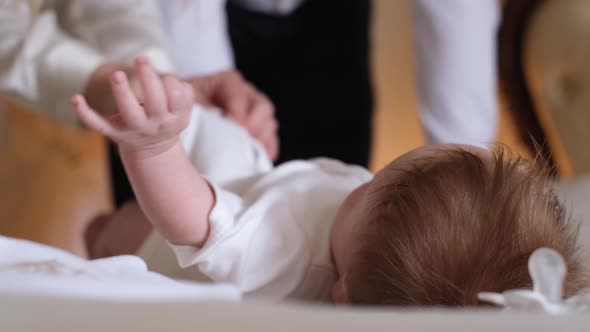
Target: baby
[[434, 227]]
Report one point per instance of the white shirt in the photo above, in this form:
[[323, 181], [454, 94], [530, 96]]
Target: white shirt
[[49, 49], [279, 7]]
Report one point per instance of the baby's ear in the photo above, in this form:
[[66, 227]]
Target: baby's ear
[[340, 291]]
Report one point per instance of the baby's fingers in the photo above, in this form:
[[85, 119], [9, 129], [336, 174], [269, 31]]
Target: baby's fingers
[[153, 91], [132, 114], [90, 118]]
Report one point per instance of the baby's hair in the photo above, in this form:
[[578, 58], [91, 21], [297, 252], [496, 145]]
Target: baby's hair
[[456, 225]]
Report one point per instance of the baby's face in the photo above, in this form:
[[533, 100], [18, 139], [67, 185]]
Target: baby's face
[[350, 218]]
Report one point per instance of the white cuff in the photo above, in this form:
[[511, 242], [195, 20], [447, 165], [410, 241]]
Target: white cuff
[[222, 223], [160, 60]]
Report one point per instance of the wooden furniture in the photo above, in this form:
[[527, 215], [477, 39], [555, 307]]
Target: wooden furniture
[[53, 178], [545, 74]]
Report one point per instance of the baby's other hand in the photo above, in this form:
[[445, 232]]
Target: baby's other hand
[[151, 128]]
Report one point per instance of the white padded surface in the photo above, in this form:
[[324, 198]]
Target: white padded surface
[[575, 194], [56, 313], [38, 314]]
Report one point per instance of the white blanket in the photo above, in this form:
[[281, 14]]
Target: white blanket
[[28, 268]]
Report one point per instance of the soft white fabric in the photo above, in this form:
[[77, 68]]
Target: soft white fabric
[[49, 49], [270, 228], [223, 152], [270, 233], [31, 269], [197, 32], [220, 149]]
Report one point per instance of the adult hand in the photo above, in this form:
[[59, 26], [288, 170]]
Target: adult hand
[[241, 102], [98, 91]]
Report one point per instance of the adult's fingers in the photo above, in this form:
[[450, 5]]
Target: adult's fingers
[[260, 113], [272, 136], [233, 95], [236, 107], [270, 142]]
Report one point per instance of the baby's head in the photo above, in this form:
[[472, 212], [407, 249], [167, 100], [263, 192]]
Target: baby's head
[[442, 223]]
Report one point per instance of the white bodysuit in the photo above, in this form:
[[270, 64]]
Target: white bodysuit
[[270, 229]]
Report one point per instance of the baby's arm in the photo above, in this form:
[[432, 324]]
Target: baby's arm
[[174, 197]]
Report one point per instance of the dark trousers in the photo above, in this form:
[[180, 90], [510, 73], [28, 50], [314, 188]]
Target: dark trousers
[[314, 66], [121, 188]]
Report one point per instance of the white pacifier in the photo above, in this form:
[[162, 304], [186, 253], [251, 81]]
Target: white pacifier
[[547, 269]]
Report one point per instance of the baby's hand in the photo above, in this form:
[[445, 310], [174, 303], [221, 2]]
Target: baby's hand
[[150, 129]]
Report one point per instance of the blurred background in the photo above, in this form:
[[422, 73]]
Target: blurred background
[[54, 179]]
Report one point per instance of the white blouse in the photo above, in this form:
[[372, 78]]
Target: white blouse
[[49, 49], [280, 7]]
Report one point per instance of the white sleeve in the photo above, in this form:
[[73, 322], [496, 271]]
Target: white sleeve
[[221, 150], [250, 248], [45, 59], [198, 36], [456, 69]]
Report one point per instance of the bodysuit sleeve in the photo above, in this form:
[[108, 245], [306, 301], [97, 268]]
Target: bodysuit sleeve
[[250, 247]]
